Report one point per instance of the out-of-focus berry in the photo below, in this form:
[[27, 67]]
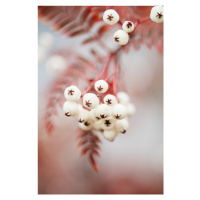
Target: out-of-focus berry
[[56, 64], [87, 125], [122, 125], [42, 53], [119, 111], [46, 39], [110, 135], [130, 109], [98, 125], [123, 98], [84, 115], [70, 109]]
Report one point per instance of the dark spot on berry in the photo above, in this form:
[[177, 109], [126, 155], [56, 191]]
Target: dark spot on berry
[[99, 88], [129, 24], [110, 17], [117, 116], [87, 103], [107, 123], [109, 101], [124, 131], [67, 114], [159, 15], [116, 39], [87, 123], [70, 92], [81, 121], [103, 115]]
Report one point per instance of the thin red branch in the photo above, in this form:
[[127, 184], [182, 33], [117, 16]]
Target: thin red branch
[[101, 43], [140, 21], [106, 79], [120, 22], [115, 77], [99, 75]]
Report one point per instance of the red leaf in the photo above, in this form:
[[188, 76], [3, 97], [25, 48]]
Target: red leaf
[[88, 40], [77, 31], [96, 152], [103, 29], [94, 164], [49, 127], [91, 146]]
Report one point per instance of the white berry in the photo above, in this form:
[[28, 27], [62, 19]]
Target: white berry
[[157, 14], [87, 125], [70, 109], [108, 123], [110, 135], [102, 111], [98, 125], [72, 93], [101, 86], [92, 115], [121, 37], [130, 109], [123, 98], [46, 39], [122, 125], [90, 100], [84, 115], [119, 111], [128, 26], [110, 17], [56, 64], [110, 100]]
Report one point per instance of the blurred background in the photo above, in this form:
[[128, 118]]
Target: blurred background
[[133, 163]]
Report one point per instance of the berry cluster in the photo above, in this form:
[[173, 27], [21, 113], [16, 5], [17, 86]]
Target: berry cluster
[[105, 111], [121, 37], [107, 114]]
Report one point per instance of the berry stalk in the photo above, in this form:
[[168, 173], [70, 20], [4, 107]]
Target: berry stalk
[[115, 78], [140, 21], [106, 79], [99, 75]]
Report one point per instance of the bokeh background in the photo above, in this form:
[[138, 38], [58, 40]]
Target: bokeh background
[[133, 163]]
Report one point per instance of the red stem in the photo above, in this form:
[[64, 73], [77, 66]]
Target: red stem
[[140, 21], [99, 75], [120, 22], [115, 78], [105, 67], [105, 72], [106, 79]]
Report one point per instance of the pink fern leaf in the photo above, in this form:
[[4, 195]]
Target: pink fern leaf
[[89, 143], [56, 97]]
